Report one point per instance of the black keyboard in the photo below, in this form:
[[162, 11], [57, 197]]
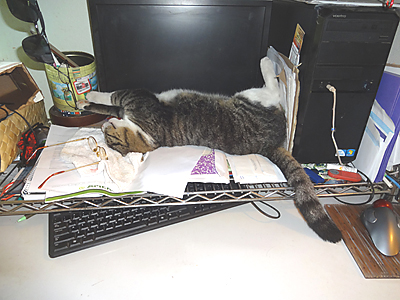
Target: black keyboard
[[75, 230]]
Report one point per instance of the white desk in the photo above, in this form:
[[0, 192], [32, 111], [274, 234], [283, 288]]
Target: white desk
[[233, 254]]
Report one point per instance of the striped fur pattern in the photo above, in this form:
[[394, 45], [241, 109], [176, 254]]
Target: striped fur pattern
[[235, 125]]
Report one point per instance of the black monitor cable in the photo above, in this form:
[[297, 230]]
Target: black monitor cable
[[371, 196], [2, 108], [278, 214]]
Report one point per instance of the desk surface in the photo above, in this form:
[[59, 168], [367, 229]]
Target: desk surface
[[233, 254]]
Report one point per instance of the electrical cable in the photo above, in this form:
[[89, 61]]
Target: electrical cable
[[26, 121], [9, 173], [332, 89], [72, 92], [68, 84], [31, 129], [396, 183], [5, 193], [266, 214], [2, 119], [9, 188], [388, 3], [370, 196]]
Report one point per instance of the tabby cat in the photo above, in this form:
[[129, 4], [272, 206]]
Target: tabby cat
[[236, 125]]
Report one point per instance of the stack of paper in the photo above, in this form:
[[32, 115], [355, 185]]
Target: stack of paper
[[254, 168]]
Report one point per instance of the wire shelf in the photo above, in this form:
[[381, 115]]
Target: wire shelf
[[196, 193]]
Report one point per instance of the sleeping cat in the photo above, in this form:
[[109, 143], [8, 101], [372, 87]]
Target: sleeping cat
[[246, 123]]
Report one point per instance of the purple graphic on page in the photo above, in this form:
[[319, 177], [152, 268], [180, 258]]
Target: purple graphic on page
[[205, 165]]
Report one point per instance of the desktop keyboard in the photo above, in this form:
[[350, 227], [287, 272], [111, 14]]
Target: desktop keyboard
[[71, 231]]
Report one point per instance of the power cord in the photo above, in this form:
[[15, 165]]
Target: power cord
[[370, 196], [332, 89], [278, 214]]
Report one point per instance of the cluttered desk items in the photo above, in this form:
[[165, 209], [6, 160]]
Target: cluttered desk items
[[165, 171], [70, 231], [26, 108], [70, 74], [105, 176]]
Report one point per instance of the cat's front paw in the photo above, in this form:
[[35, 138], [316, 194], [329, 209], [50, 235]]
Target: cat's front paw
[[92, 96], [81, 104], [99, 97]]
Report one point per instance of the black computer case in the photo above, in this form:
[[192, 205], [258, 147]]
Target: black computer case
[[346, 47]]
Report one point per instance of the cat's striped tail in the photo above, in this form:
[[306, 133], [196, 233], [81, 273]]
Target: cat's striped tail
[[305, 197]]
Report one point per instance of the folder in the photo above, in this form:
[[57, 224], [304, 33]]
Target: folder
[[382, 129], [388, 96]]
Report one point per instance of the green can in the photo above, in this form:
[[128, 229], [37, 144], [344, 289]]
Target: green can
[[68, 85]]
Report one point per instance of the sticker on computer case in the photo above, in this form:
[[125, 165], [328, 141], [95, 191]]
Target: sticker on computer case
[[350, 152], [294, 55], [341, 152], [346, 152]]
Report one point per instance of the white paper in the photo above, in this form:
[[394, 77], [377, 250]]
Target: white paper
[[373, 145], [254, 168], [166, 170], [395, 156], [288, 93]]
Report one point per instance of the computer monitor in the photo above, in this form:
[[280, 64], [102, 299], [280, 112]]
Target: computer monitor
[[211, 46]]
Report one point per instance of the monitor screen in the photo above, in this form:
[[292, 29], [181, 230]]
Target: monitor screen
[[209, 46]]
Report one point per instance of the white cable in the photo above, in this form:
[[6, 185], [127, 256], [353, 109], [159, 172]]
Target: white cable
[[333, 91]]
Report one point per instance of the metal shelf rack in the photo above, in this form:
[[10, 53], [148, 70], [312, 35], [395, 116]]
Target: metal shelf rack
[[196, 193]]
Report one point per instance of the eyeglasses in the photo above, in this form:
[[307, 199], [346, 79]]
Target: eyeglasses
[[99, 151], [35, 46], [58, 144]]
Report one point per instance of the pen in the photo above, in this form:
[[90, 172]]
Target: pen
[[25, 217]]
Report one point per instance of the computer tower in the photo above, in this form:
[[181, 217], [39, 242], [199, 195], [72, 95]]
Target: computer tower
[[346, 47]]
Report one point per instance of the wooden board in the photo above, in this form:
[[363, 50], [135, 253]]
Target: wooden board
[[371, 262]]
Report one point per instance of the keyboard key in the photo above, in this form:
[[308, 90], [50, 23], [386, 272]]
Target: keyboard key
[[71, 231]]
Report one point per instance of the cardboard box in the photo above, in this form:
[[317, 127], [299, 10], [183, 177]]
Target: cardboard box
[[18, 92]]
